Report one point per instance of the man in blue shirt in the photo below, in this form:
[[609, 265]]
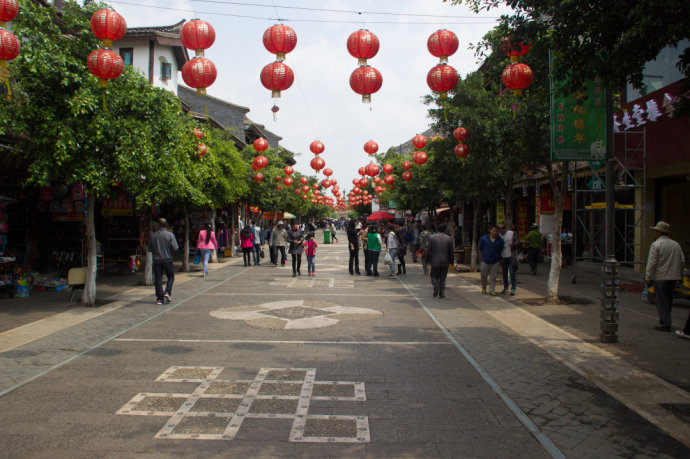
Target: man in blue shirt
[[490, 245]]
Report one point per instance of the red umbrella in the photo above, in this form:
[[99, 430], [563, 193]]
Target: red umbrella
[[380, 215]]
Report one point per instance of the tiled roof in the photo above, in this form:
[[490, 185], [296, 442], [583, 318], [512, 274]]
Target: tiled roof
[[173, 30]]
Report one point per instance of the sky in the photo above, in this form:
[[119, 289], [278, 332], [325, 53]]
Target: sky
[[320, 105]]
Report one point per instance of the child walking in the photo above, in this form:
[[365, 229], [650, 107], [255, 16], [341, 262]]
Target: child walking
[[311, 246]]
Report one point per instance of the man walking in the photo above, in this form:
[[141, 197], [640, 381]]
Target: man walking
[[490, 245], [353, 244], [424, 238], [664, 267], [534, 239], [508, 258], [163, 245], [278, 242], [440, 256], [256, 231]]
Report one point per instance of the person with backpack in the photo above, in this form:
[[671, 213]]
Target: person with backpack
[[205, 244]]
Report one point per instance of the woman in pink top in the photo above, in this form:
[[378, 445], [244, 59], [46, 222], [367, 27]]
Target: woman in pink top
[[205, 244], [247, 244], [311, 245]]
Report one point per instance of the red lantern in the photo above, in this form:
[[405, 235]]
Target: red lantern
[[298, 191], [460, 134], [106, 64], [197, 35], [288, 170], [277, 77], [328, 172], [363, 182], [461, 150], [366, 80], [317, 147], [517, 77], [325, 183], [419, 157], [378, 189], [279, 187], [371, 147], [280, 39], [258, 177], [407, 165], [387, 168], [388, 179], [199, 73], [305, 189], [9, 47], [373, 170], [363, 45], [355, 181], [260, 162], [443, 43], [260, 144], [419, 141], [108, 25], [513, 50], [316, 186], [305, 197], [287, 181], [317, 192], [202, 149], [303, 180], [362, 171], [8, 10], [198, 133], [277, 178], [317, 163], [407, 176], [442, 79]]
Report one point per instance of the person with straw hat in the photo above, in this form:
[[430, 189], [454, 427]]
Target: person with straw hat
[[664, 267]]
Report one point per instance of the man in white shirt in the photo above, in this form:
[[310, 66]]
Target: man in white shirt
[[664, 267], [508, 258]]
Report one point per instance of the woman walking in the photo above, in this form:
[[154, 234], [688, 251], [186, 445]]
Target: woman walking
[[353, 241], [295, 238], [392, 246], [247, 244], [205, 244], [401, 234], [374, 243]]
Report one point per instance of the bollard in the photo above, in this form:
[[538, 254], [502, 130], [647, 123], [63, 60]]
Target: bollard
[[609, 302]]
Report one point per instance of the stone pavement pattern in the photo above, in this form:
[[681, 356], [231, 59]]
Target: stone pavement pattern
[[244, 364]]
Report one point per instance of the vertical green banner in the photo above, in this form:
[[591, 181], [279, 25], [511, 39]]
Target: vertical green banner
[[578, 122]]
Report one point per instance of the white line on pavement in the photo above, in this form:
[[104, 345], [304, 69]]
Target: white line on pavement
[[249, 341]]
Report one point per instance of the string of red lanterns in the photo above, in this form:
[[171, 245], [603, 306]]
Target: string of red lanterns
[[104, 63], [278, 39], [198, 73], [442, 78], [9, 44], [364, 80]]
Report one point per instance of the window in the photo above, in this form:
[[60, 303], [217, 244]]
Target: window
[[166, 70], [127, 55], [660, 72]]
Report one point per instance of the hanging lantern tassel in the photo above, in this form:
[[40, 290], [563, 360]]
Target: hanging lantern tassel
[[514, 107], [105, 107], [206, 113], [275, 109]]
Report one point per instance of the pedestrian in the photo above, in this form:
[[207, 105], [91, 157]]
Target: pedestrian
[[414, 233], [333, 238], [374, 244], [295, 238], [490, 245], [401, 234], [439, 255], [508, 258], [664, 267], [424, 238], [310, 246], [205, 244], [353, 245], [533, 240], [256, 250], [247, 244], [364, 238], [162, 244], [271, 251], [392, 247], [279, 241]]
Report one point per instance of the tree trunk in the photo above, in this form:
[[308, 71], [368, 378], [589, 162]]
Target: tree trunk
[[508, 217], [185, 248], [452, 228], [148, 262], [560, 192], [475, 232], [214, 252], [88, 296]]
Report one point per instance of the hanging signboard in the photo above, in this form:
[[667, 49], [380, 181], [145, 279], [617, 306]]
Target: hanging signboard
[[578, 122]]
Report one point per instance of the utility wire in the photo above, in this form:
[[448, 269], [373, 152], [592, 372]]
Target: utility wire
[[263, 18]]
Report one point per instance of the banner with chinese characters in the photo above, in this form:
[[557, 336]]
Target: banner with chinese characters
[[578, 122], [522, 218]]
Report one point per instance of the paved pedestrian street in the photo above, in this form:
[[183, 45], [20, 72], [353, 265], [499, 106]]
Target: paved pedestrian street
[[252, 362]]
